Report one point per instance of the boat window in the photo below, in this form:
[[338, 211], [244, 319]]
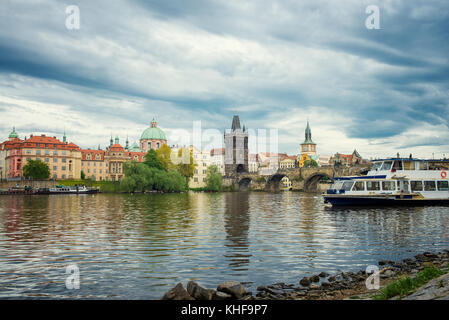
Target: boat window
[[377, 165], [409, 165], [397, 165], [422, 165], [372, 185], [386, 165], [430, 186], [388, 185], [359, 186], [406, 186], [443, 185], [347, 185], [416, 185]]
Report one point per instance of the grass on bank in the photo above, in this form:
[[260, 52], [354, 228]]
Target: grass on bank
[[405, 286]]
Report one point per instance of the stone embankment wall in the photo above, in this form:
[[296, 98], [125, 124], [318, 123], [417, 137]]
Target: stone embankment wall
[[33, 183]]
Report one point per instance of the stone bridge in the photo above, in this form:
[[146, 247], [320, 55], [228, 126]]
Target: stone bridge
[[302, 179]]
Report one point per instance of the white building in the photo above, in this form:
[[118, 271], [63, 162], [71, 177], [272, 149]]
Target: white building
[[217, 157], [202, 159], [253, 163]]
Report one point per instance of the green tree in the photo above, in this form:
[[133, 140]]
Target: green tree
[[83, 175], [163, 155], [185, 164], [152, 161], [36, 169], [214, 179]]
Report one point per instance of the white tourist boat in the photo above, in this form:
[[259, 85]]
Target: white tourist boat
[[78, 189], [395, 181]]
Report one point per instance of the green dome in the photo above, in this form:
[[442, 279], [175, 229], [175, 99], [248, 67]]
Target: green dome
[[13, 134], [153, 132], [135, 148]]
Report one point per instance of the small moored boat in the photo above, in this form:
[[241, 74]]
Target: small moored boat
[[77, 189]]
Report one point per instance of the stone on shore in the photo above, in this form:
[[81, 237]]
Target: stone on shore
[[315, 278], [234, 288], [305, 282], [198, 292], [218, 295], [323, 274], [177, 293]]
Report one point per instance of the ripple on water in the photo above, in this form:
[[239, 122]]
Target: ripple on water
[[137, 247]]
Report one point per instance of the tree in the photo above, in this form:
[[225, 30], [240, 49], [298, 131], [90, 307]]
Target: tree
[[36, 169], [185, 164], [83, 175], [214, 179], [163, 155], [152, 161]]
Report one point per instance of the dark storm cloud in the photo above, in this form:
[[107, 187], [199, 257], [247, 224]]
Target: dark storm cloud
[[208, 58]]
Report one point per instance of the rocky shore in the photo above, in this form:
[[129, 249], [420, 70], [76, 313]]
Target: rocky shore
[[324, 286]]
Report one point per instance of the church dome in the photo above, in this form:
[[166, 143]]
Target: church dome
[[153, 132], [13, 134]]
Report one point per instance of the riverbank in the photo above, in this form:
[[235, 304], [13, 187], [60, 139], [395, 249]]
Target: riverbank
[[433, 268]]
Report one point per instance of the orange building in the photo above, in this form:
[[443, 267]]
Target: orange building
[[63, 158], [108, 164]]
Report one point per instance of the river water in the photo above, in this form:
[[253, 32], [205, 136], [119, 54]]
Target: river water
[[139, 246]]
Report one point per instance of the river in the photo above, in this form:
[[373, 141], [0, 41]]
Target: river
[[139, 246]]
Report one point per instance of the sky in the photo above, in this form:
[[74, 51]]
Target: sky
[[276, 64]]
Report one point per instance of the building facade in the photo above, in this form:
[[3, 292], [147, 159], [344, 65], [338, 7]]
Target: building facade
[[63, 158], [236, 149], [346, 159]]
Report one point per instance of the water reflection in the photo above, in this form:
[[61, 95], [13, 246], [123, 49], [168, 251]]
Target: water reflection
[[138, 246], [236, 224]]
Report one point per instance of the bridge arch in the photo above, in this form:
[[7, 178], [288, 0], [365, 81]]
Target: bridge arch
[[244, 183], [274, 181], [311, 183]]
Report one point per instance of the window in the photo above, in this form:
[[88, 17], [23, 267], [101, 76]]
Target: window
[[377, 165], [422, 165], [195, 179], [63, 168], [429, 186], [388, 185], [28, 159], [409, 165], [416, 185], [204, 179], [196, 171], [347, 185], [55, 168], [55, 176], [443, 185], [359, 186], [47, 160], [64, 160], [38, 152], [28, 151], [204, 171], [397, 165], [373, 185], [404, 187], [386, 165], [63, 176], [55, 159], [47, 152]]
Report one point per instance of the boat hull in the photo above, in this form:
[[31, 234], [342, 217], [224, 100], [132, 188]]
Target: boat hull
[[382, 201]]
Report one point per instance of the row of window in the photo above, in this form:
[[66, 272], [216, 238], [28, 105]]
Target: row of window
[[63, 160], [442, 185], [38, 152]]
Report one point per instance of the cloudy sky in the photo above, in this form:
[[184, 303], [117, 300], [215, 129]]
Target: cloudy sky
[[274, 63]]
